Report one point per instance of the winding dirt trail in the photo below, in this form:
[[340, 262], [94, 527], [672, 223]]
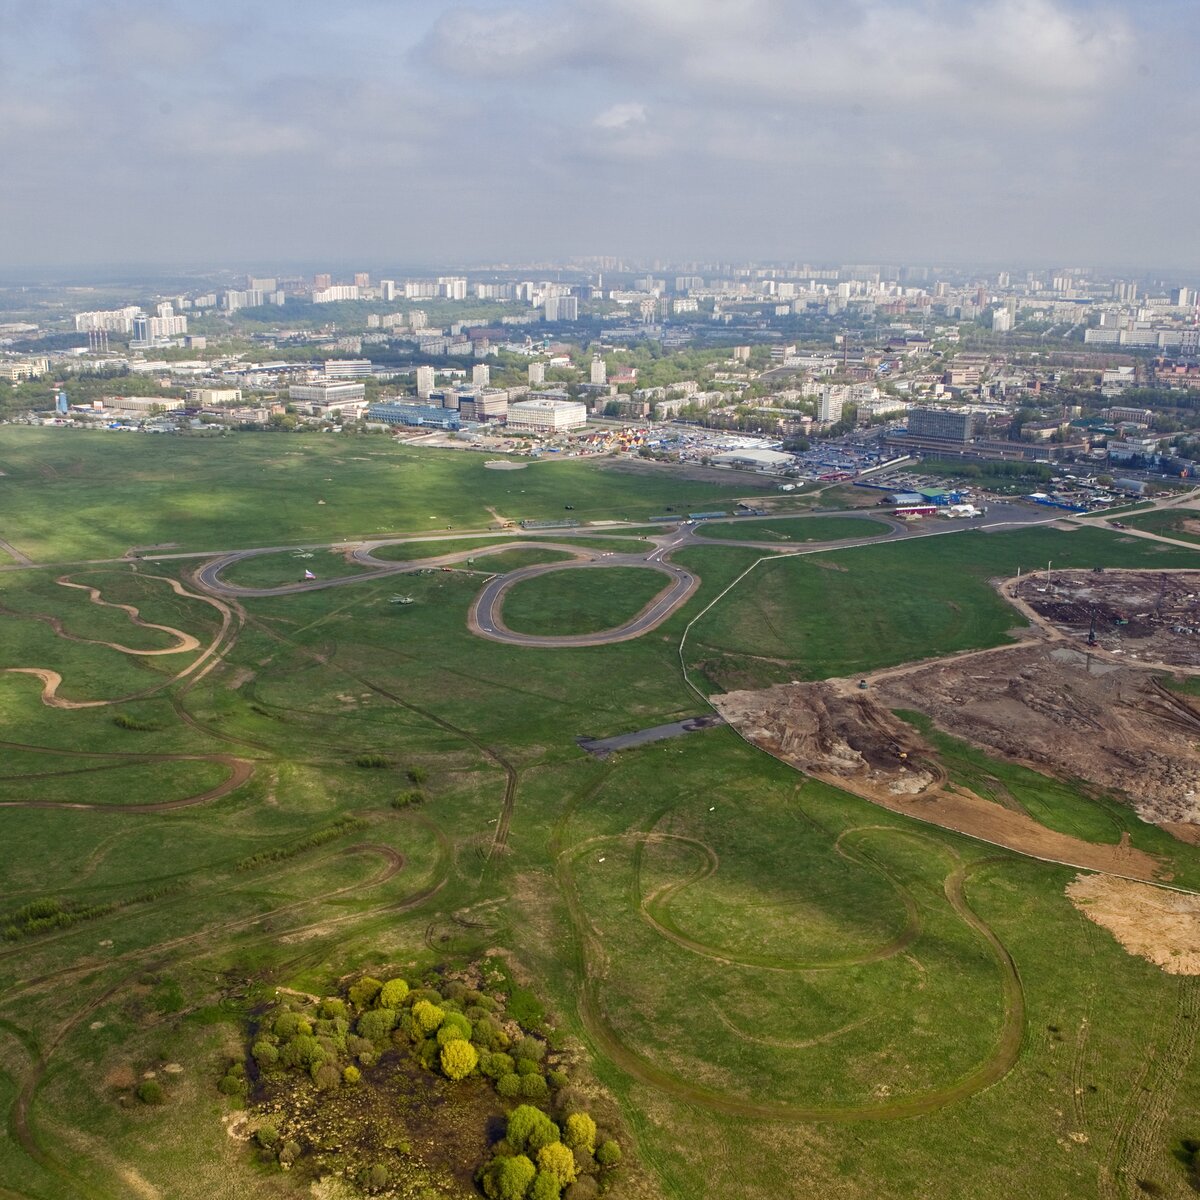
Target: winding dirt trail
[[241, 770], [595, 965]]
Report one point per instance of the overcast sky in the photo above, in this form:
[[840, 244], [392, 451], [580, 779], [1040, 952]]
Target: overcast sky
[[401, 132]]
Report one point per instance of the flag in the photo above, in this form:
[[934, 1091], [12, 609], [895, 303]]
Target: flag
[[309, 575]]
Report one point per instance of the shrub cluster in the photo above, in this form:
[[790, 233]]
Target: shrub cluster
[[318, 837], [125, 721], [43, 915], [460, 1033], [538, 1157]]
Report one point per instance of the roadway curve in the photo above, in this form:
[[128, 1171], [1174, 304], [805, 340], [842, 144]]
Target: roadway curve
[[485, 619]]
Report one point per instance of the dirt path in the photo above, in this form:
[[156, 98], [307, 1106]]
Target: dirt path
[[185, 641], [240, 771], [596, 967]]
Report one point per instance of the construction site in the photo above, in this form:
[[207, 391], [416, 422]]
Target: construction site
[[1153, 616]]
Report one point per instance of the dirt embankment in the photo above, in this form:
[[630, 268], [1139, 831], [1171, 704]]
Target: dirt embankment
[[849, 738]]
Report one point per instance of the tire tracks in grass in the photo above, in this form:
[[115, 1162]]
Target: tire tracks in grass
[[1137, 1137], [604, 1037]]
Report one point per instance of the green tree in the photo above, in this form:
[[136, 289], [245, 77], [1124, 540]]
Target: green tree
[[496, 1065], [377, 1024], [556, 1160], [509, 1086], [545, 1187], [265, 1054], [530, 1129], [393, 993], [579, 1132], [458, 1059], [351, 1075], [454, 1026], [509, 1178]]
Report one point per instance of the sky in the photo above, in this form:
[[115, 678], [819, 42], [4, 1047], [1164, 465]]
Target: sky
[[378, 132]]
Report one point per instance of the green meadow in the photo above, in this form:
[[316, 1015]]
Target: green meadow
[[786, 990]]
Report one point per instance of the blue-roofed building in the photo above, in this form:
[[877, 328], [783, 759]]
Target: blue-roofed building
[[427, 416]]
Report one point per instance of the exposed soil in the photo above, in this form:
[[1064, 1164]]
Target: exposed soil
[[1160, 926], [1070, 714], [850, 738], [1149, 616]]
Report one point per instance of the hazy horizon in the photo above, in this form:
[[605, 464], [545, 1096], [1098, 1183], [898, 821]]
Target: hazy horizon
[[1033, 132]]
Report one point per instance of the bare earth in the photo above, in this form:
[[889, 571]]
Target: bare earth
[[1067, 713], [848, 738], [1160, 926]]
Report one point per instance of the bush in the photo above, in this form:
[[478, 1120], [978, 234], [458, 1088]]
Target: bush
[[289, 1152], [373, 761], [534, 1087], [376, 1024], [545, 1187], [393, 993], [375, 1178], [232, 1085], [530, 1048], [265, 1054], [326, 1076], [557, 1079], [458, 1059], [496, 1065], [351, 1075], [332, 1008], [608, 1153], [508, 1178], [579, 1132], [363, 991], [266, 1136], [530, 1129], [427, 1016], [417, 775], [556, 1160], [509, 1086], [526, 1066], [413, 798], [150, 1091], [583, 1189]]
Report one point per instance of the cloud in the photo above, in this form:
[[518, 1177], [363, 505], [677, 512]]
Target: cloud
[[621, 116]]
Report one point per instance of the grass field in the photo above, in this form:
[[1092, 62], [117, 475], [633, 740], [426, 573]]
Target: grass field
[[246, 490], [856, 610], [562, 602], [794, 530], [787, 990], [1183, 524]]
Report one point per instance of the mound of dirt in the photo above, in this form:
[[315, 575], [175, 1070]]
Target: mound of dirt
[[1160, 926]]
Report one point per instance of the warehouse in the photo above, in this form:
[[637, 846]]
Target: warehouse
[[758, 460]]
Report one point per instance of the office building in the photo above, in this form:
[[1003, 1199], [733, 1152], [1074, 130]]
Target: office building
[[543, 414], [318, 398], [942, 424], [347, 368], [208, 397]]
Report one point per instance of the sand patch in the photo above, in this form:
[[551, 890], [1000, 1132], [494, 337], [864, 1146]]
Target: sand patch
[[1160, 926], [501, 464]]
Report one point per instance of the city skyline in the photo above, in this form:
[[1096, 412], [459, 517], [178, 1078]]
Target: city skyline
[[910, 131]]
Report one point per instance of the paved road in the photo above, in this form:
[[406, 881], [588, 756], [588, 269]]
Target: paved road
[[485, 617]]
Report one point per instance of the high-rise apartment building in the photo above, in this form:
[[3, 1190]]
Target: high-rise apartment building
[[426, 378]]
